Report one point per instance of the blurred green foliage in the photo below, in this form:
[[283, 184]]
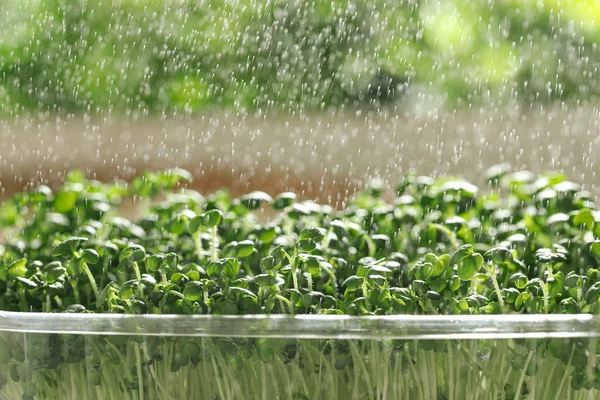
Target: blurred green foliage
[[154, 56]]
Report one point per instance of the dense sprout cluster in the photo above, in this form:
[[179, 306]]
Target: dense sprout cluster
[[530, 245]]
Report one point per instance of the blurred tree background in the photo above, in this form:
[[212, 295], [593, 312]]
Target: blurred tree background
[[184, 56]]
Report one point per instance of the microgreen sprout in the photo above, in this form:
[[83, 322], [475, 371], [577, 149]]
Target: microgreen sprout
[[442, 246]]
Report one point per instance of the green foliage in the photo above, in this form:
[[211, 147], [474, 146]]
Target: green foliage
[[442, 247], [449, 250], [139, 56]]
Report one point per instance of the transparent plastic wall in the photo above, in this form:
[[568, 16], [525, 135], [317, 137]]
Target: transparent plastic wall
[[74, 356]]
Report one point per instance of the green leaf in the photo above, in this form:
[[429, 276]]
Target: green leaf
[[75, 308], [454, 283], [520, 280], [469, 266], [595, 248], [307, 245], [267, 263], [312, 233], [26, 283], [278, 251], [339, 228], [426, 269], [208, 219], [593, 293], [75, 176], [65, 201], [556, 219], [127, 290], [378, 280], [68, 247], [196, 223], [495, 173], [268, 235], [253, 200], [570, 306], [213, 270], [312, 265], [463, 305], [90, 256], [230, 266], [17, 268], [264, 350], [193, 291], [342, 362], [546, 255], [353, 283], [244, 248], [521, 299], [55, 289], [420, 286], [212, 218], [463, 252], [154, 262], [192, 349], [268, 280], [172, 177], [510, 295], [42, 192], [584, 217], [242, 291], [54, 271], [171, 260], [432, 295], [177, 226], [133, 252], [76, 266], [499, 255], [440, 265], [284, 200], [104, 294]]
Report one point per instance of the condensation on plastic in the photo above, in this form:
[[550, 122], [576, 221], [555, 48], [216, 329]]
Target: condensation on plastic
[[309, 326]]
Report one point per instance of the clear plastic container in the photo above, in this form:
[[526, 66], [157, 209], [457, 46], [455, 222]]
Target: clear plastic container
[[102, 356]]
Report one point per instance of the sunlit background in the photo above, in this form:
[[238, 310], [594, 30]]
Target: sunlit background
[[315, 96]]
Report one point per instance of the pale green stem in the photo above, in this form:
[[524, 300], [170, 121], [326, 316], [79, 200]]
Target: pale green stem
[[58, 301], [294, 278], [492, 271], [564, 378], [87, 271], [365, 293], [176, 294], [522, 378], [138, 361], [75, 290], [139, 279], [450, 372], [214, 243], [546, 296], [291, 261], [198, 244], [286, 301]]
